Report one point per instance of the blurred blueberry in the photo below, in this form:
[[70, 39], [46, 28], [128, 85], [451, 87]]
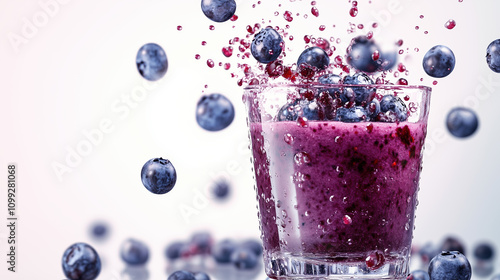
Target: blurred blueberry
[[388, 59], [360, 54], [134, 252], [493, 55], [484, 251], [439, 61], [81, 262], [254, 245], [427, 252], [299, 108], [151, 62], [214, 112], [201, 276], [391, 103], [218, 10], [314, 56], [266, 45], [174, 250], [158, 175], [450, 265], [181, 275], [221, 189], [462, 122], [418, 275], [244, 258], [357, 94], [223, 250], [99, 230], [202, 242], [351, 115]]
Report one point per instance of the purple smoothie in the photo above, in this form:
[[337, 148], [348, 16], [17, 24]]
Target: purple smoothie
[[341, 191]]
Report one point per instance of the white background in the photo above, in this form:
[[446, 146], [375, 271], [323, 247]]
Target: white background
[[67, 67]]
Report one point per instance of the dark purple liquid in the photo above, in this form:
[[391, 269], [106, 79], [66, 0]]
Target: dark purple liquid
[[338, 190]]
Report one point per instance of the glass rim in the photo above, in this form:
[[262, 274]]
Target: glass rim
[[318, 85]]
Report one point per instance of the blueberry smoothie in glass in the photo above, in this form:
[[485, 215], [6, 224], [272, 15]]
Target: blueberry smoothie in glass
[[337, 185]]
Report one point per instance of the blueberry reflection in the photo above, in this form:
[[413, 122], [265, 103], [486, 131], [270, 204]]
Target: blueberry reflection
[[135, 273]]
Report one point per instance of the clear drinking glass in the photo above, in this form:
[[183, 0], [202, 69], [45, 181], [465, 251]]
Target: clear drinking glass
[[336, 199]]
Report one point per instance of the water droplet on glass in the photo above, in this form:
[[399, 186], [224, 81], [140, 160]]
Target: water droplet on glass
[[307, 213], [332, 198], [347, 220]]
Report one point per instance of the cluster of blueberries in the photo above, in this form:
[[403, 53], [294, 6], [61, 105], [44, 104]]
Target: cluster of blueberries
[[81, 261], [448, 261]]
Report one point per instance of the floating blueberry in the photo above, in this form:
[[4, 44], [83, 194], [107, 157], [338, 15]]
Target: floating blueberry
[[314, 56], [244, 258], [439, 61], [214, 112], [221, 189], [158, 175], [390, 103], [181, 275], [223, 250], [353, 114], [360, 54], [266, 45], [299, 108], [254, 245], [357, 94], [201, 276], [99, 230], [450, 265], [462, 122], [81, 262], [174, 250], [134, 252], [418, 275], [493, 55], [484, 251], [151, 62], [218, 10]]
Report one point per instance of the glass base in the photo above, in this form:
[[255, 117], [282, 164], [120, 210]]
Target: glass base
[[300, 267]]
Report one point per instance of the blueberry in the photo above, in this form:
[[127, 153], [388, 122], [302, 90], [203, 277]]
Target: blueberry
[[158, 175], [299, 108], [223, 250], [214, 112], [360, 54], [81, 262], [201, 276], [493, 55], [134, 252], [151, 62], [462, 122], [99, 230], [181, 275], [393, 104], [254, 245], [353, 114], [266, 45], [329, 79], [450, 265], [221, 189], [218, 10], [439, 61], [202, 242], [314, 56], [484, 251], [418, 275], [174, 250], [244, 258], [357, 94]]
